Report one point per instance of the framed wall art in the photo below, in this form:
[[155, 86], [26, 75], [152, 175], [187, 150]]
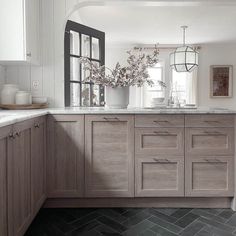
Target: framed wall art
[[221, 81]]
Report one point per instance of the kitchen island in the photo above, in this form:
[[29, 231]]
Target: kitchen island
[[97, 157]]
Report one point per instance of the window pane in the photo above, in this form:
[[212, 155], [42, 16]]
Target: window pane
[[85, 45], [75, 94], [156, 75], [74, 69], [95, 48], [74, 43], [84, 74], [85, 94]]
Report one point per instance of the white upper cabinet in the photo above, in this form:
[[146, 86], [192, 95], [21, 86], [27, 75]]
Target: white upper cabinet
[[19, 25]]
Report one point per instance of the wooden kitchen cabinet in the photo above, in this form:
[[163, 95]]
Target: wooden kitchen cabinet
[[159, 176], [65, 160], [38, 164], [209, 141], [18, 177], [109, 156], [209, 176], [20, 26], [4, 136]]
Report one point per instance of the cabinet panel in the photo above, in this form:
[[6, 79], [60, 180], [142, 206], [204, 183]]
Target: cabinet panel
[[209, 176], [159, 176], [159, 121], [167, 141], [19, 191], [209, 120], [65, 162], [209, 141], [4, 132], [38, 164], [109, 153]]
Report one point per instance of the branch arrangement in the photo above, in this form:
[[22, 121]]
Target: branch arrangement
[[134, 74]]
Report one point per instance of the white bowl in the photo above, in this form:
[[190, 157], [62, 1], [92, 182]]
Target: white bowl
[[39, 99], [158, 100]]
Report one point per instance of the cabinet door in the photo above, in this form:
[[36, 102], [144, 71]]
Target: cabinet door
[[206, 177], [65, 161], [109, 156], [159, 177], [19, 200], [167, 141], [209, 141], [4, 132], [38, 164]]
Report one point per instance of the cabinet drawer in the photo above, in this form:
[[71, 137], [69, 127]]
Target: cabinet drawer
[[209, 121], [159, 121], [159, 176], [209, 141], [205, 177], [166, 141]]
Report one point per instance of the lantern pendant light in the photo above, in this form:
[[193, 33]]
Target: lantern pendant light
[[185, 58]]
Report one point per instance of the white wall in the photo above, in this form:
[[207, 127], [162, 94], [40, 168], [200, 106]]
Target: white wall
[[51, 73]]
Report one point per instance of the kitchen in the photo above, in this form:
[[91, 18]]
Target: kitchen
[[150, 160]]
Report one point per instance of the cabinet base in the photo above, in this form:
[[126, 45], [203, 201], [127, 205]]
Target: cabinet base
[[181, 202]]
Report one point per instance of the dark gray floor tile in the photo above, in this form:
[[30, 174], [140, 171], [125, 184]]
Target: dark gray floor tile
[[162, 216], [218, 225], [232, 221], [214, 211], [171, 227], [161, 231], [85, 228], [186, 220], [148, 233], [112, 224], [84, 220], [166, 211], [132, 211], [139, 228], [216, 231], [208, 215], [113, 215], [137, 218], [227, 213], [106, 231], [193, 228], [181, 212], [204, 233]]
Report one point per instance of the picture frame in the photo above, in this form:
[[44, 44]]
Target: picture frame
[[221, 81]]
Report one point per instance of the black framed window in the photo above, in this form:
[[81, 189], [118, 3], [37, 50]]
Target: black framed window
[[82, 41]]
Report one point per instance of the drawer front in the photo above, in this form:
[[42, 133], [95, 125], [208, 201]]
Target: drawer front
[[205, 177], [159, 177], [159, 121], [209, 121], [209, 141], [166, 141]]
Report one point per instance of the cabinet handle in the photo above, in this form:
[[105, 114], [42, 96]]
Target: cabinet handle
[[12, 135], [28, 54], [36, 125], [212, 132], [161, 132], [161, 160], [111, 118], [211, 121], [18, 134], [161, 121], [213, 160]]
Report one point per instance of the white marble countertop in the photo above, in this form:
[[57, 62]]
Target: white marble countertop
[[12, 117]]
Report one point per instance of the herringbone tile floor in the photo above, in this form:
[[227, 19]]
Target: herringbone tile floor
[[132, 221]]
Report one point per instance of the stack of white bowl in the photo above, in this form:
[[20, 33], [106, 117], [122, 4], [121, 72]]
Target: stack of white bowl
[[158, 102]]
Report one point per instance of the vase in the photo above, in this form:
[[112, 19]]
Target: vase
[[117, 98], [8, 93]]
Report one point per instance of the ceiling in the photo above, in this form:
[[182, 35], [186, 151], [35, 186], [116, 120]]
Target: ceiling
[[161, 24]]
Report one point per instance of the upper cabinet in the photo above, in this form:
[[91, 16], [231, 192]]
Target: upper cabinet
[[19, 38]]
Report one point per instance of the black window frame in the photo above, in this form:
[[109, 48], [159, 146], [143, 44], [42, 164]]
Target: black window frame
[[92, 33]]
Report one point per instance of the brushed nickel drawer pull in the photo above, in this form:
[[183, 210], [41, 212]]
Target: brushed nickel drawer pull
[[161, 132], [111, 118], [37, 125], [12, 135], [161, 121], [161, 160], [211, 121], [18, 134], [212, 132], [213, 160]]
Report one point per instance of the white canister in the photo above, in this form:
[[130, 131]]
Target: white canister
[[23, 98], [8, 94]]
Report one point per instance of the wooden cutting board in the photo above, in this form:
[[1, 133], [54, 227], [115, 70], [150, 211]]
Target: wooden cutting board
[[24, 107]]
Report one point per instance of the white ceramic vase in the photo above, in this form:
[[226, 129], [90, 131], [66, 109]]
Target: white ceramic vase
[[8, 93], [117, 98]]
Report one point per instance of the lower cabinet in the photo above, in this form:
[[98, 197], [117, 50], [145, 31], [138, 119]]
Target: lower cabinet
[[65, 160], [18, 177], [159, 176], [109, 156], [4, 139], [207, 176], [38, 164]]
